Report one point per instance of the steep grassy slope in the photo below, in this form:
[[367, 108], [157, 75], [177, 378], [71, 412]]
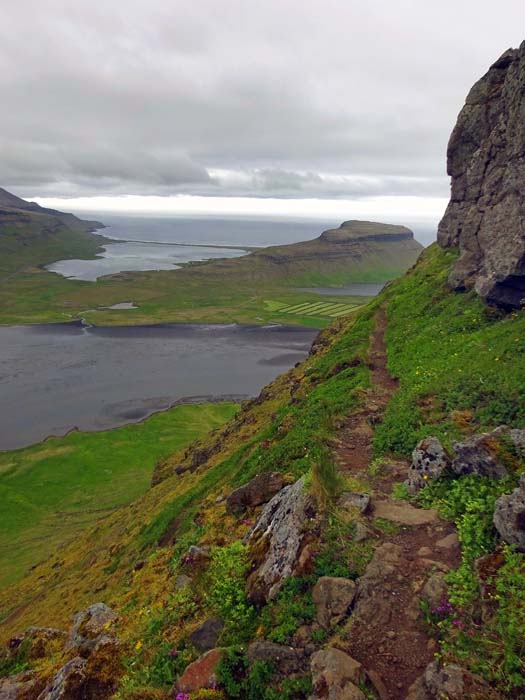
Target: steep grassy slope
[[460, 369], [31, 235], [110, 552], [227, 290], [51, 492]]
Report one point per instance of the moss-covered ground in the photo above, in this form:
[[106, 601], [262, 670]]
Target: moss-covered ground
[[54, 490], [460, 367]]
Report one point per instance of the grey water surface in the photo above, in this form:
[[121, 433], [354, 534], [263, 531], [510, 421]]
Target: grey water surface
[[164, 243], [131, 256], [56, 377]]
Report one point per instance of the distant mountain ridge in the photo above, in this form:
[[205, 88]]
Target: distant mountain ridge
[[358, 250], [10, 204], [368, 231], [31, 235]]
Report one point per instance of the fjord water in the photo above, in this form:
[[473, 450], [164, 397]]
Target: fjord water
[[165, 243], [212, 230], [128, 256], [57, 377]]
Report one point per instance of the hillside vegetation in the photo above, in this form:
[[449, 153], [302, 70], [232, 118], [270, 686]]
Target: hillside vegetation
[[51, 492], [249, 289], [459, 370], [31, 236]]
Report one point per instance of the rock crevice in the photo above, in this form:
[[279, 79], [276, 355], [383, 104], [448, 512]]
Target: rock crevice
[[485, 217]]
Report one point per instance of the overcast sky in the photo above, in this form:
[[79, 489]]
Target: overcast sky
[[275, 99]]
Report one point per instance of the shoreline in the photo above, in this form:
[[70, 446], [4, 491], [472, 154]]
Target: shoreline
[[83, 324], [184, 401]]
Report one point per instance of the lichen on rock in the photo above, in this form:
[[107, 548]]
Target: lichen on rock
[[486, 160]]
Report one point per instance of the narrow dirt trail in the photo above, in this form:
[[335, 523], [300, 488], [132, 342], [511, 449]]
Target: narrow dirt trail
[[386, 631]]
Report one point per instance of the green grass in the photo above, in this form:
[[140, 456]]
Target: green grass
[[41, 240], [53, 490], [218, 291], [460, 366], [452, 354], [320, 309]]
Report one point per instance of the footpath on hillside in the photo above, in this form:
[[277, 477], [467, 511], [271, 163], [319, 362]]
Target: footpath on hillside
[[386, 632]]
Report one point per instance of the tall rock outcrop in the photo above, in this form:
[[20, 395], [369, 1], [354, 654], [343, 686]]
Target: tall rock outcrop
[[486, 160]]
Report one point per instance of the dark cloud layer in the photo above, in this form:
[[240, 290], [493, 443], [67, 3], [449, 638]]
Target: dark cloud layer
[[324, 98]]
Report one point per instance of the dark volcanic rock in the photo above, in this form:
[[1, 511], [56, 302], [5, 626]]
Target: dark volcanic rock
[[89, 626], [429, 460], [479, 455], [509, 516], [69, 682], [284, 659], [20, 687], [486, 159], [451, 682], [333, 597], [336, 676], [277, 539], [207, 635], [256, 492]]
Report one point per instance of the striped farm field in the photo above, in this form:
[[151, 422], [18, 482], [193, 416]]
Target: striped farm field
[[320, 309]]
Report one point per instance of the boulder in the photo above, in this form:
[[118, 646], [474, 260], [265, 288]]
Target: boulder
[[333, 597], [517, 437], [284, 659], [451, 682], [89, 626], [207, 635], [21, 686], [256, 492], [372, 611], [360, 501], [479, 455], [486, 160], [200, 674], [429, 461], [103, 669], [509, 516], [38, 642], [196, 558], [435, 589], [335, 675], [361, 532], [277, 538], [69, 682]]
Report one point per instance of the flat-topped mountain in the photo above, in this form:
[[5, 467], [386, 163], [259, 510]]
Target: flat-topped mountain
[[368, 231], [357, 251]]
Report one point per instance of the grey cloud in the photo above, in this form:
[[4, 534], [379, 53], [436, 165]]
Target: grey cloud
[[290, 97]]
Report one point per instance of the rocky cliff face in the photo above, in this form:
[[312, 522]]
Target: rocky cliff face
[[486, 160]]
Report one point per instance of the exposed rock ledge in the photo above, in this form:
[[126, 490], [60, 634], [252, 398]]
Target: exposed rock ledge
[[486, 159], [366, 231]]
